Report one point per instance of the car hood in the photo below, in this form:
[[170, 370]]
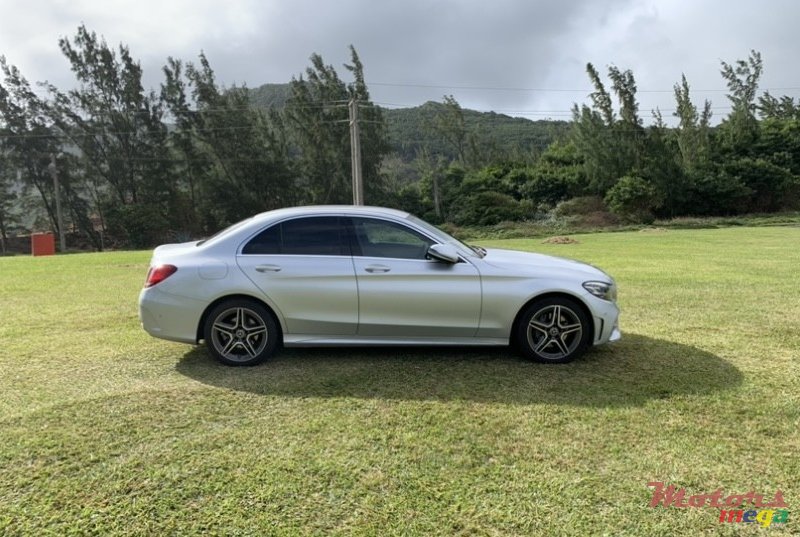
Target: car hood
[[541, 264]]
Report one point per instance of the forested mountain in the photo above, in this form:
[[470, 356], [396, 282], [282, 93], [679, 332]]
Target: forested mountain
[[270, 95], [409, 128], [496, 132]]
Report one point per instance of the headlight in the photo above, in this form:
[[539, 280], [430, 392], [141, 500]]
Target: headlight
[[604, 290]]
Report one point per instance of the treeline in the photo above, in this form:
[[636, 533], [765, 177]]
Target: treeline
[[137, 167], [610, 164]]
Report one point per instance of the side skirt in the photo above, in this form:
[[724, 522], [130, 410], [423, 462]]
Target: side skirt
[[305, 340]]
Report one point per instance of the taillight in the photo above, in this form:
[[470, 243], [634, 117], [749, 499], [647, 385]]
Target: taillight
[[159, 274]]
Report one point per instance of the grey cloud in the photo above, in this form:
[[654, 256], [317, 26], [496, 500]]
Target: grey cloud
[[452, 43]]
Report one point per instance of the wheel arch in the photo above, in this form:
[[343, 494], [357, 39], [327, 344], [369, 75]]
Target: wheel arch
[[237, 296], [579, 301]]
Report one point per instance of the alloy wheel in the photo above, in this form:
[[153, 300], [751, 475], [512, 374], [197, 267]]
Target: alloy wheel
[[554, 332], [239, 334]]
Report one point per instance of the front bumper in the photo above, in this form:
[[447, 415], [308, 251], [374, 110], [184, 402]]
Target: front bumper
[[606, 322], [616, 335]]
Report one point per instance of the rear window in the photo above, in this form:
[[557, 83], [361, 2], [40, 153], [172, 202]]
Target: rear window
[[224, 232]]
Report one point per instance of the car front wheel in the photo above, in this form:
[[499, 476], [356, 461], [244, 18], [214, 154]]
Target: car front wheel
[[240, 332], [553, 330]]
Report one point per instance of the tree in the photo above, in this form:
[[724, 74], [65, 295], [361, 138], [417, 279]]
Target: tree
[[660, 166], [7, 200], [26, 140], [374, 132], [760, 157], [190, 164], [740, 128], [118, 131], [593, 139], [785, 108], [447, 123], [317, 119], [692, 133], [234, 157], [558, 175], [610, 147]]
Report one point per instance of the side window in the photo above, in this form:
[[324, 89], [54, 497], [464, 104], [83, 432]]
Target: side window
[[381, 238], [323, 235], [313, 236]]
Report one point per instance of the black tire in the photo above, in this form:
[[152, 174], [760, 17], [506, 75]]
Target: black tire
[[241, 332], [553, 330]]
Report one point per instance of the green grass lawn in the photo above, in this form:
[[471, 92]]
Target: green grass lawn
[[105, 430]]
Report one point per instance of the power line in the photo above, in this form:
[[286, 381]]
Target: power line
[[121, 133], [525, 89], [557, 90], [525, 112]]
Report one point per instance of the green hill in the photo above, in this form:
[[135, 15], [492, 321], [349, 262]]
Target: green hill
[[270, 95], [503, 133], [499, 132]]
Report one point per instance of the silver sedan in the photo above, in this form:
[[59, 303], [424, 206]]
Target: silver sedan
[[341, 275]]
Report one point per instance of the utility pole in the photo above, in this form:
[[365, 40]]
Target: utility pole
[[355, 153], [59, 219]]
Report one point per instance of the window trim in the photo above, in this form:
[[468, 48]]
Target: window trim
[[351, 239]]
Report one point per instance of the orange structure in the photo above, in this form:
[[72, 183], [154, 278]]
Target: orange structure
[[43, 244]]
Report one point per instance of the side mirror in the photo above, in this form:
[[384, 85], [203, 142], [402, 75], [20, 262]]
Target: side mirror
[[443, 252]]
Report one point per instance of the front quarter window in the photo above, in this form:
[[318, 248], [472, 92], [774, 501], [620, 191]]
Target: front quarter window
[[444, 238], [382, 238]]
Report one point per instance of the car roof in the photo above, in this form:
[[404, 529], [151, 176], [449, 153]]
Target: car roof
[[246, 228], [312, 210]]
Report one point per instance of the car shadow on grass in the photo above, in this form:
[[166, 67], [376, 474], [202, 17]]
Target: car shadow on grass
[[628, 373]]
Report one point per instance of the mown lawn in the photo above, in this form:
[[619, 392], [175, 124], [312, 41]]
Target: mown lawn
[[104, 430]]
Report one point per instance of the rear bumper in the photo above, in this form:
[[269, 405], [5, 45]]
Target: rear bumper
[[169, 316]]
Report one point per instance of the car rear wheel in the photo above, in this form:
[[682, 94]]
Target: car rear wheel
[[241, 332], [553, 330]]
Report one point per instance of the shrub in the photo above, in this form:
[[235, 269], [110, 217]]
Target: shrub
[[136, 226], [489, 208], [581, 206], [633, 199]]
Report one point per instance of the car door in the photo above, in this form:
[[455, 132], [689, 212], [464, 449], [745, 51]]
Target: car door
[[403, 294], [303, 266]]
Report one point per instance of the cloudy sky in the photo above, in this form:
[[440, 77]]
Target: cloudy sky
[[522, 58]]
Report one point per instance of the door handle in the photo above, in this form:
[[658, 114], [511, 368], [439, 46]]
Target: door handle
[[377, 268], [268, 268]]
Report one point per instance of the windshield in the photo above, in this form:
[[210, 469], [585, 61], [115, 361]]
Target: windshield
[[444, 238]]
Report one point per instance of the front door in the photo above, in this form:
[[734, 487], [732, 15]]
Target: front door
[[403, 294]]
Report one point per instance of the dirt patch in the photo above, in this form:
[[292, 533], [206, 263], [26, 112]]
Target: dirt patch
[[560, 240], [653, 230]]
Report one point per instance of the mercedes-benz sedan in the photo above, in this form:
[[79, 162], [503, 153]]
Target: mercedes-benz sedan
[[341, 275]]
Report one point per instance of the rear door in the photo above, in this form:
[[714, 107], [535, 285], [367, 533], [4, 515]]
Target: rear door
[[303, 266]]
